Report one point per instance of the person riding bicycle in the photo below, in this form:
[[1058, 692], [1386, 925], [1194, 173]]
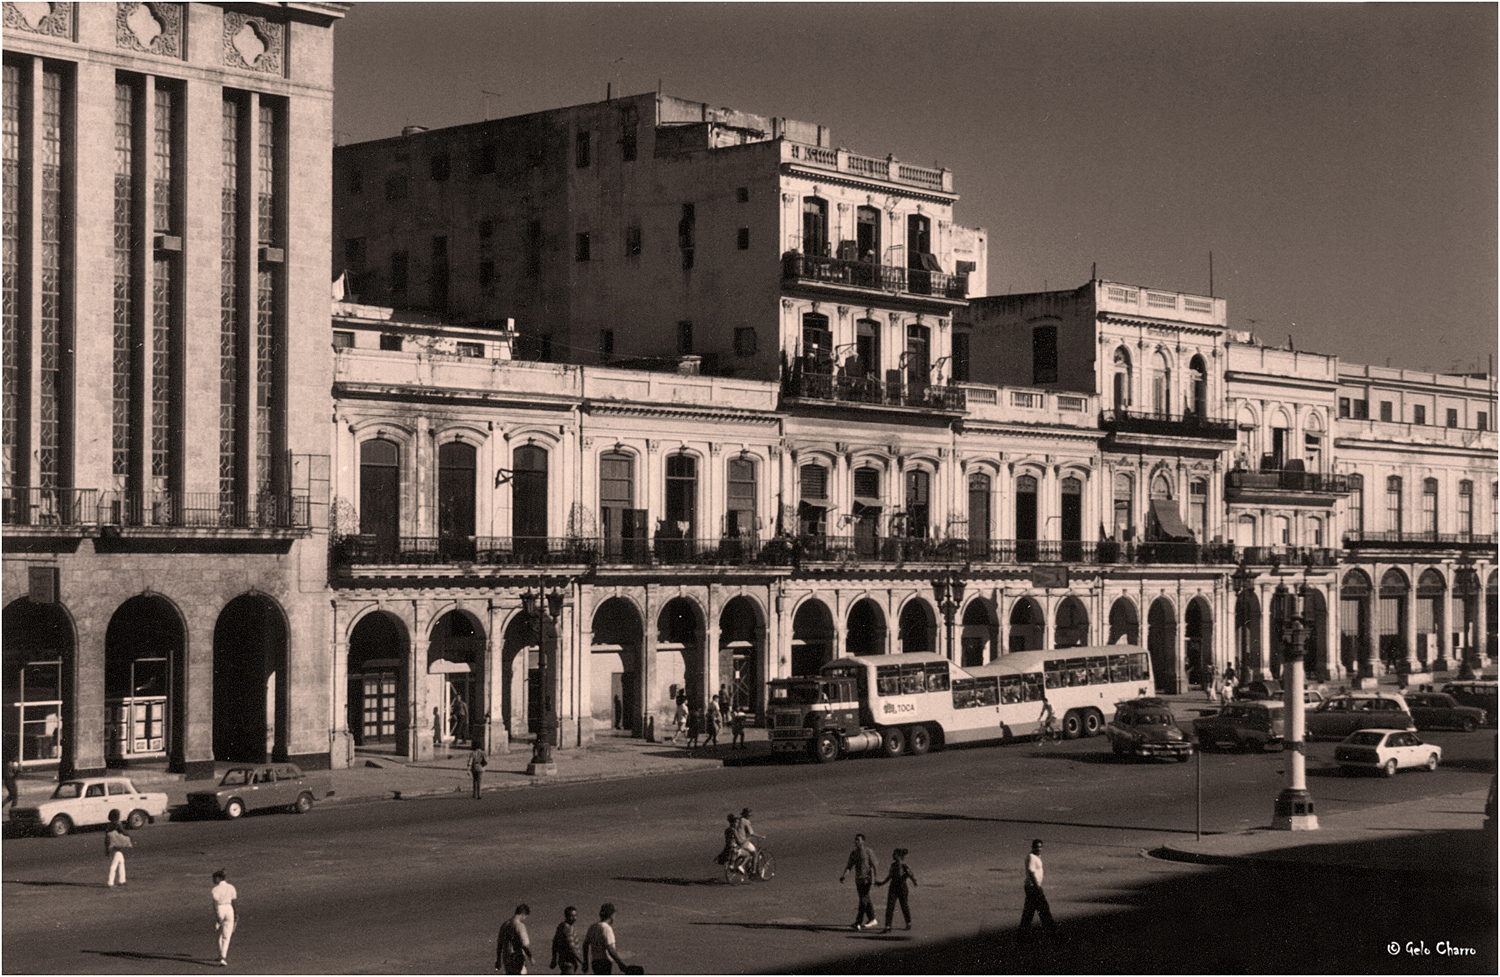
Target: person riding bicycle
[[1047, 721], [744, 835], [731, 841]]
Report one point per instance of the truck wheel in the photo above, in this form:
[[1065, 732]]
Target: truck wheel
[[234, 808], [1072, 725], [137, 820], [892, 741], [1093, 722], [825, 749], [303, 803], [919, 739], [59, 826]]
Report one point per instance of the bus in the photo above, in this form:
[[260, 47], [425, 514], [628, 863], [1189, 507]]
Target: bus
[[914, 702]]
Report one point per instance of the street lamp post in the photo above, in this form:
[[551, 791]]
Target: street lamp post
[[545, 606], [1294, 805], [949, 592]]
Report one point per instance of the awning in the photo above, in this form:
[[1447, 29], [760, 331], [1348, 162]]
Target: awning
[[928, 261], [1171, 524]]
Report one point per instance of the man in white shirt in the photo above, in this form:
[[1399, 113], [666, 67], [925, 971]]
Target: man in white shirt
[[224, 895], [1036, 899], [599, 953]]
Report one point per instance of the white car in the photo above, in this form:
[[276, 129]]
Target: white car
[[1386, 750], [88, 800]]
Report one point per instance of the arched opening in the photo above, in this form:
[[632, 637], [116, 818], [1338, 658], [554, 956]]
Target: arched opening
[[1026, 519], [980, 635], [1028, 625], [1072, 627], [1198, 639], [1247, 633], [1432, 598], [741, 650], [380, 495], [865, 630], [1122, 384], [39, 704], [812, 638], [1161, 642], [680, 664], [1391, 619], [528, 499], [1124, 623], [457, 472], [142, 653], [1354, 621], [1161, 385], [252, 707], [378, 715], [918, 627], [520, 677], [1466, 593], [1315, 611], [455, 665], [1198, 384], [619, 637]]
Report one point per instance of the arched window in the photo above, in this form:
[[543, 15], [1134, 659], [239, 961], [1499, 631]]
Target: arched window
[[1026, 519], [682, 496], [918, 503], [528, 493], [622, 520], [456, 489], [867, 235], [1312, 443], [1393, 503], [1283, 531], [1124, 508], [740, 508], [1315, 531], [1465, 508], [815, 226], [1122, 378], [1199, 381], [380, 493], [1161, 384], [1429, 506], [979, 514], [868, 505], [1161, 486], [1245, 531], [867, 348], [812, 507], [1198, 507]]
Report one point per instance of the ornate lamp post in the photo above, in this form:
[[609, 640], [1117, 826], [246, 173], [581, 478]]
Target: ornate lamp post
[[949, 592], [546, 607], [1294, 805]]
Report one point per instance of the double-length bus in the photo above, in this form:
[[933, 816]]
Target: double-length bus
[[911, 703]]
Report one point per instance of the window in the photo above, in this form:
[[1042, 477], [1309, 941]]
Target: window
[[684, 337], [687, 232], [1026, 517], [960, 357], [439, 166], [342, 339], [918, 356], [740, 503], [397, 186], [528, 493], [815, 226], [581, 246], [817, 343], [743, 239], [581, 150], [682, 495], [483, 160], [390, 343], [812, 508], [920, 262], [622, 520], [1283, 530], [398, 272], [457, 489], [1198, 507], [627, 134], [1343, 406], [918, 504], [1198, 386], [1161, 385], [1385, 410], [1124, 507], [1393, 503], [1122, 384], [1312, 451], [606, 345], [1419, 414], [471, 350], [632, 242], [1356, 511], [1452, 417], [1483, 423], [867, 351], [1044, 354], [742, 195], [1429, 505], [1465, 508], [380, 492], [979, 509], [867, 235], [744, 341], [1361, 410]]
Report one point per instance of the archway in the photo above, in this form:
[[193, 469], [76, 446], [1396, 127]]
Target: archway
[[455, 665], [1247, 634], [1161, 642], [520, 677], [1198, 639], [1315, 610], [1354, 621], [1071, 629], [39, 706], [1124, 624], [980, 634], [378, 714], [1432, 596], [1466, 594], [1491, 605], [741, 650], [1391, 619], [812, 638], [865, 631], [1027, 625], [918, 627], [618, 698], [142, 704], [680, 665], [252, 715]]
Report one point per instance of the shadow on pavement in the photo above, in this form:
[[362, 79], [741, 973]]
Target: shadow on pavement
[[670, 880], [175, 957], [44, 883], [943, 816], [800, 927]]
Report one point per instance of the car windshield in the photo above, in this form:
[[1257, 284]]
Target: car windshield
[[68, 789], [802, 693], [1235, 712], [1365, 739], [1152, 719], [235, 778]]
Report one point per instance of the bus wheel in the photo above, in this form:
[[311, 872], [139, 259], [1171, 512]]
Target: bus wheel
[[1093, 722], [825, 749], [1072, 725], [892, 741], [919, 739]]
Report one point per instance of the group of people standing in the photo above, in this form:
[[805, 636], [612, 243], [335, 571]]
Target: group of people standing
[[693, 723], [1220, 686], [594, 952]]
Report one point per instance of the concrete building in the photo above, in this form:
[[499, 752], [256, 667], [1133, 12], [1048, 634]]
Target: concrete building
[[165, 455]]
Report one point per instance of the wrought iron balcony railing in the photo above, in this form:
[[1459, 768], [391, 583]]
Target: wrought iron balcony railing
[[1242, 483], [1185, 425], [810, 385], [1309, 556], [864, 274], [48, 507], [204, 510], [1356, 537]]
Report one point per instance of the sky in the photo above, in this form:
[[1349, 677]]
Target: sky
[[1337, 160]]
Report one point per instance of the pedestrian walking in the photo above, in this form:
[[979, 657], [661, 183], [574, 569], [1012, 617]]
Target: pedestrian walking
[[567, 949], [862, 864], [897, 877], [680, 721], [477, 762], [715, 721], [737, 730], [695, 726], [116, 840], [1211, 684], [599, 951], [1036, 899], [1226, 688], [226, 913], [513, 944], [724, 702], [12, 777]]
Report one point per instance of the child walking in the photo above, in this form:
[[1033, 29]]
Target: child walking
[[900, 873]]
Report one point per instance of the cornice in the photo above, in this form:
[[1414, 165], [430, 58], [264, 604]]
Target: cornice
[[844, 180]]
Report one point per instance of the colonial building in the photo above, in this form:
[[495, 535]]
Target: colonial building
[[165, 456]]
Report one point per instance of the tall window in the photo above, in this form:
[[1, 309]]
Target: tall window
[[1198, 376], [867, 348], [617, 498], [682, 495], [868, 506], [920, 261], [269, 289], [581, 150], [918, 356], [1355, 518], [380, 493], [817, 343], [528, 493], [1429, 506], [979, 509], [1122, 379], [11, 347], [1124, 507], [456, 489], [740, 498], [166, 310], [1070, 523], [1026, 512], [812, 506], [1283, 531], [1465, 508], [231, 297], [815, 226], [867, 235], [1393, 503], [1044, 354], [918, 503], [1161, 385], [51, 340], [1198, 507], [125, 240], [1315, 530]]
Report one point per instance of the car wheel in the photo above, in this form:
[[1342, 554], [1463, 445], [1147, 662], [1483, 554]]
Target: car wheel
[[1072, 725], [1470, 725], [137, 819], [892, 741], [59, 826], [304, 803], [919, 739], [1390, 768], [825, 748], [1432, 762], [234, 808], [1092, 723]]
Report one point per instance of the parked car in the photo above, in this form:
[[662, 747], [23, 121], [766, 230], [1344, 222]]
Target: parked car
[[255, 786], [86, 801], [1480, 694], [1386, 750], [1313, 697], [1341, 715], [1242, 725], [1439, 710], [1146, 728], [1259, 689]]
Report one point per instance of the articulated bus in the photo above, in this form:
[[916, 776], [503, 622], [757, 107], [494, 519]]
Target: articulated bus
[[913, 702]]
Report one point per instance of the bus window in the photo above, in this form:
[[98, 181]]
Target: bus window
[[1119, 670], [888, 679], [1031, 688], [1054, 674], [989, 691], [1078, 675], [912, 681], [937, 677], [1010, 689], [1098, 671], [1140, 668]]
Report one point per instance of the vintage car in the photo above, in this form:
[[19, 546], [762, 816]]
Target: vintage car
[[1439, 710], [1386, 750], [254, 786], [1260, 689], [1479, 693], [1341, 715], [1241, 726], [1146, 728], [85, 801]]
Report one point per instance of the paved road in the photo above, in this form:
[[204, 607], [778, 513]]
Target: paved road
[[421, 885]]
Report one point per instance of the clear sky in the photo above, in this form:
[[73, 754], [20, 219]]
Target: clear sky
[[1339, 161]]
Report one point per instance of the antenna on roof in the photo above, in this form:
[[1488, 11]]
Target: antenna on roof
[[486, 110], [1210, 274]]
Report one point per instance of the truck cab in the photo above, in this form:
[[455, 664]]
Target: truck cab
[[813, 714]]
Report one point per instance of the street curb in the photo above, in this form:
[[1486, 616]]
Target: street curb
[[1415, 875]]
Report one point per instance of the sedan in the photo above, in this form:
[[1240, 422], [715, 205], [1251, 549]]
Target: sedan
[[1386, 750], [1437, 710], [89, 800], [259, 786]]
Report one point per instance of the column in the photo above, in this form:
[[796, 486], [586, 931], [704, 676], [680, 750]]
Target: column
[[1262, 669], [1444, 627], [341, 737], [1409, 630], [1481, 619], [496, 738]]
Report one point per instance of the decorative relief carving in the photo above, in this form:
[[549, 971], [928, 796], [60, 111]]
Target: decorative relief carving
[[51, 19], [253, 42], [155, 28]]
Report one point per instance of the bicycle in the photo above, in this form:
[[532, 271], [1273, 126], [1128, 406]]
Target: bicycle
[[1049, 731], [761, 865]]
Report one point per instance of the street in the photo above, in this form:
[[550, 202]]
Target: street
[[420, 886]]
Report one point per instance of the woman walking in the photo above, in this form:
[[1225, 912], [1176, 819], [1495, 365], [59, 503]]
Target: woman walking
[[897, 877]]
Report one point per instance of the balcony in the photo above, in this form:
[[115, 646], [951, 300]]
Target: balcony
[[1392, 539], [526, 552], [1272, 486], [203, 510], [1289, 556], [1158, 424], [856, 275], [801, 384], [48, 510]]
